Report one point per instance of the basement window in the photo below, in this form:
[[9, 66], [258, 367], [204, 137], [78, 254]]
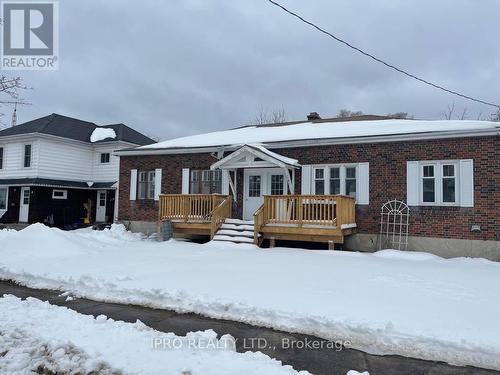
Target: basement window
[[59, 194]]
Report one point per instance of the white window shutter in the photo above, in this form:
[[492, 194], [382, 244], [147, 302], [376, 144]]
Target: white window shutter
[[466, 183], [225, 182], [185, 180], [133, 184], [157, 183], [412, 183], [306, 179], [363, 183]]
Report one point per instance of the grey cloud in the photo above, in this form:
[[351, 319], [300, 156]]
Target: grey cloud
[[182, 67]]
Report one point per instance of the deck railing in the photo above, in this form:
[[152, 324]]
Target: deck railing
[[306, 210], [219, 214], [186, 208]]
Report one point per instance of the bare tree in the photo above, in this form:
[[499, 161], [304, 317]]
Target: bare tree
[[348, 113], [450, 113], [10, 88], [276, 116], [495, 116], [402, 115]]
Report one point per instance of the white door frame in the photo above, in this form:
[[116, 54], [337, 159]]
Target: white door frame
[[24, 208], [265, 187], [100, 211]]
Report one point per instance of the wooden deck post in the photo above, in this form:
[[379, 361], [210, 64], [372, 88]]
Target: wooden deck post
[[331, 245], [272, 242], [299, 210]]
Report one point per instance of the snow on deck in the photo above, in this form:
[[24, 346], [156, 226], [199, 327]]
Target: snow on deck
[[34, 333], [322, 130], [390, 302]]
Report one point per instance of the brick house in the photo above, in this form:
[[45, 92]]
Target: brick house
[[447, 172]]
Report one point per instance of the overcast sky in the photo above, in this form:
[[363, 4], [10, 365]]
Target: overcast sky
[[175, 68]]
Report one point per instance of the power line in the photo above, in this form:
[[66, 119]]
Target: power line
[[382, 61]]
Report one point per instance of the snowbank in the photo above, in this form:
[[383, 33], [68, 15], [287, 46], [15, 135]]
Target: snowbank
[[309, 130], [35, 333], [100, 134], [390, 302]]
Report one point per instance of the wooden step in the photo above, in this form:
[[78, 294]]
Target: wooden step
[[237, 227], [235, 239], [239, 222], [237, 233]]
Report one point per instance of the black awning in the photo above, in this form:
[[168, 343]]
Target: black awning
[[56, 183]]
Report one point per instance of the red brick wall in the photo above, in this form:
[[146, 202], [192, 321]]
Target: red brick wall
[[387, 181], [147, 210]]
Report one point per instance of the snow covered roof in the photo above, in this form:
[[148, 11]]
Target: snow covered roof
[[259, 151], [100, 134], [334, 130]]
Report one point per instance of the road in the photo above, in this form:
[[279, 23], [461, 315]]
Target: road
[[321, 357]]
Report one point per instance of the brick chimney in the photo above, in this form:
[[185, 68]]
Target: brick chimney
[[313, 116]]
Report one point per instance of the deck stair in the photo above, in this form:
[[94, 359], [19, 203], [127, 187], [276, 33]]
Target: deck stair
[[235, 230]]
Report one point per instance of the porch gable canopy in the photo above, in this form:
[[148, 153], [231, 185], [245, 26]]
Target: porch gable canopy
[[255, 156]]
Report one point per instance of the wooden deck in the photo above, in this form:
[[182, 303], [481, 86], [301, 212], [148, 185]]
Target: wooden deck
[[310, 218], [195, 214]]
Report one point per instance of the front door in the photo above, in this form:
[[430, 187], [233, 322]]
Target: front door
[[260, 182], [100, 215], [24, 205], [253, 193]]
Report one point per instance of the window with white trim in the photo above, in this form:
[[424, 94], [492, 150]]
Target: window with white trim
[[27, 156], [335, 179], [206, 181], [59, 194], [438, 183], [104, 157], [319, 181], [3, 198], [146, 185]]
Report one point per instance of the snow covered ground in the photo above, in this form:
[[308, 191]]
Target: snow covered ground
[[35, 334], [412, 304]]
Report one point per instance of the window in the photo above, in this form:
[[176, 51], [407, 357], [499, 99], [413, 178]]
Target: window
[[1, 157], [3, 198], [105, 157], [350, 181], [428, 184], [319, 181], [277, 184], [27, 156], [102, 199], [146, 185], [449, 183], [205, 182], [439, 183], [335, 180], [254, 184], [59, 194]]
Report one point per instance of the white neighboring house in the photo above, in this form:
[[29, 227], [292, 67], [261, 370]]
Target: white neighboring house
[[61, 170]]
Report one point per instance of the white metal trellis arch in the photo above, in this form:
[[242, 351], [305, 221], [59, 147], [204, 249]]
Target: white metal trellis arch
[[394, 224]]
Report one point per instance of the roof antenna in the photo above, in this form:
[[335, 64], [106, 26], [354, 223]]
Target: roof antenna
[[14, 114]]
